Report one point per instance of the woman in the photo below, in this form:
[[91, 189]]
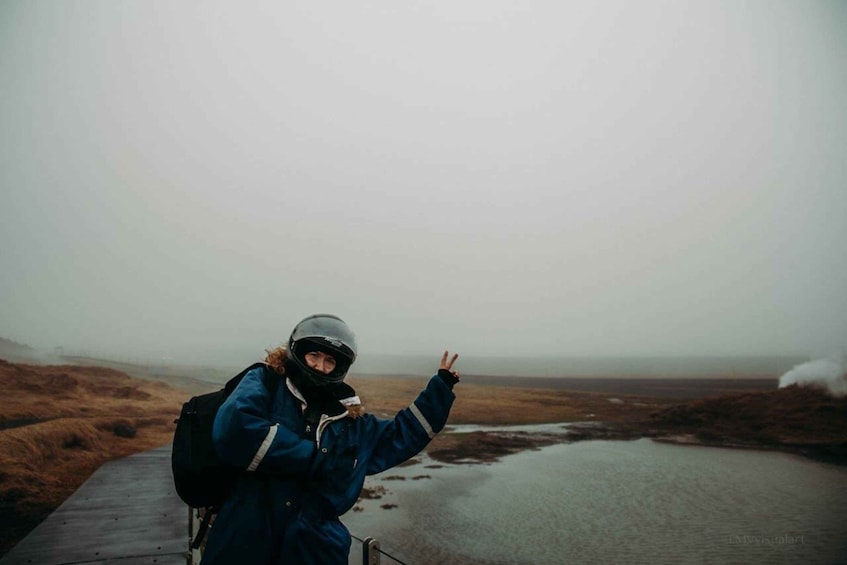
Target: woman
[[307, 450]]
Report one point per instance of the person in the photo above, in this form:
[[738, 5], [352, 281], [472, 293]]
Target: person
[[306, 451]]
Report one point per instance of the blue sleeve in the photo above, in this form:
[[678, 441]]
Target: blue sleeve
[[244, 435], [412, 428]]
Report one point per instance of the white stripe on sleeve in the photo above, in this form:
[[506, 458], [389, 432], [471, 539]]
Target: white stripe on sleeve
[[263, 449], [427, 428]]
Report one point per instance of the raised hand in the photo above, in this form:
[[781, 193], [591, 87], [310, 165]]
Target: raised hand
[[448, 365]]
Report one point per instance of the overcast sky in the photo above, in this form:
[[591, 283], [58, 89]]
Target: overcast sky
[[490, 176]]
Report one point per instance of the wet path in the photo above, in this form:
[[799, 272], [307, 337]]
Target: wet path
[[127, 512]]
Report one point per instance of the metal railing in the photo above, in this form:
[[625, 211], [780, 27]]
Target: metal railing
[[371, 552]]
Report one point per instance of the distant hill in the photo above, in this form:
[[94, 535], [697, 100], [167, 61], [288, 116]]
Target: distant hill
[[12, 350], [13, 345]]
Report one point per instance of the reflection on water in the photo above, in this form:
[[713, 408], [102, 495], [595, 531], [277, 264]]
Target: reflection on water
[[614, 501]]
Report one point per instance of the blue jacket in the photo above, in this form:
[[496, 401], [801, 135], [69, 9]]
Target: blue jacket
[[285, 507]]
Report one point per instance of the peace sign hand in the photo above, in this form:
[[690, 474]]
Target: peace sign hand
[[448, 365]]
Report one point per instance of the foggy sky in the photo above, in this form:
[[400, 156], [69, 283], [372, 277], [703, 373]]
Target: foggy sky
[[489, 176]]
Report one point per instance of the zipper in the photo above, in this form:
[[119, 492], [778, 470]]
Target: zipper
[[322, 425], [324, 421]]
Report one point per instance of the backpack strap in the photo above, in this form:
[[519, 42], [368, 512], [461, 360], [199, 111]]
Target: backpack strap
[[204, 527], [233, 382], [272, 383]]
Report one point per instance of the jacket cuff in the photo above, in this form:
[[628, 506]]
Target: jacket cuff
[[448, 377]]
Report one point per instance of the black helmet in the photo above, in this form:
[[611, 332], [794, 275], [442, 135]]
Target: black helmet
[[327, 333]]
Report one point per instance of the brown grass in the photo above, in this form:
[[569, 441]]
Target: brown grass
[[59, 423], [483, 404]]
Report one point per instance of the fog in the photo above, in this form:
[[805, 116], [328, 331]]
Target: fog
[[181, 179]]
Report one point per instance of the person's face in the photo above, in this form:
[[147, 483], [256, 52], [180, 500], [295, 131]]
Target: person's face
[[320, 362]]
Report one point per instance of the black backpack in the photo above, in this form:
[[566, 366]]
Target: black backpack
[[201, 480]]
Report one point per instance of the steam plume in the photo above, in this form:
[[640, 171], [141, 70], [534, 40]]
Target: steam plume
[[830, 373]]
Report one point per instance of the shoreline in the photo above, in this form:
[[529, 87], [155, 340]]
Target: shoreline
[[488, 445]]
